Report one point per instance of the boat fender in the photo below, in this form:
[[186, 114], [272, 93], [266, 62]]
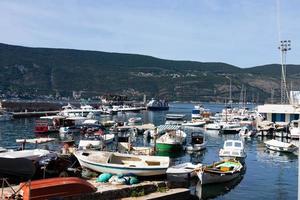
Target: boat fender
[[133, 180], [103, 178]]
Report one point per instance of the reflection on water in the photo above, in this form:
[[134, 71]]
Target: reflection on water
[[269, 175]]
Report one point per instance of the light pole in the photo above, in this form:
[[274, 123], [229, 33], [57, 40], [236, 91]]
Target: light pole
[[285, 45]]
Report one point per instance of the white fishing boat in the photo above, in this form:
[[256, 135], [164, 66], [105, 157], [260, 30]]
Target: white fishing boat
[[213, 126], [230, 128], [96, 141], [219, 172], [184, 168], [295, 129], [171, 141], [198, 142], [135, 121], [117, 163], [233, 149], [276, 145], [31, 154], [175, 117], [194, 123], [36, 140]]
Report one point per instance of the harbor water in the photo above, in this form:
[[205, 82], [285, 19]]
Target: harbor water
[[268, 175]]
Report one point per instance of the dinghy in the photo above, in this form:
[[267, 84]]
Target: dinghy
[[219, 172], [117, 163], [171, 141], [56, 188], [280, 146], [198, 142], [96, 141], [184, 168], [31, 154], [233, 149]]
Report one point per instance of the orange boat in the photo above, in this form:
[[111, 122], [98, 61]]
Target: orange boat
[[56, 187]]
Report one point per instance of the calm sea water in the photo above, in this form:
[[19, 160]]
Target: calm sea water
[[268, 175]]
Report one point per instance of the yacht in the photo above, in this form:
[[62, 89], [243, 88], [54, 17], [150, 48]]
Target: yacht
[[157, 105]]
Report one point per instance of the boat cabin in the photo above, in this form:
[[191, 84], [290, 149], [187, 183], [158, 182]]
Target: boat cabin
[[233, 144]]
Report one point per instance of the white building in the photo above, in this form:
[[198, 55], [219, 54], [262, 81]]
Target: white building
[[279, 112]]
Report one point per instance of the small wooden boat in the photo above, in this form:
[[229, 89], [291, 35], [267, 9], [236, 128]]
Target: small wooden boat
[[222, 171], [198, 142], [184, 168], [233, 149], [56, 188], [175, 116], [117, 163], [276, 145], [171, 141]]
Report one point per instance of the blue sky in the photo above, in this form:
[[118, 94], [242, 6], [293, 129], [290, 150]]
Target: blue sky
[[239, 32]]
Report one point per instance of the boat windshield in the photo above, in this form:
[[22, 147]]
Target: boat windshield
[[237, 144]]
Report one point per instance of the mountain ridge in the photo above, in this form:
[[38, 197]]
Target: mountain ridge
[[59, 71]]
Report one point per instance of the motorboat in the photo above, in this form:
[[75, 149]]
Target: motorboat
[[295, 129], [156, 105], [178, 117], [184, 168], [135, 121], [83, 111], [219, 172], [194, 123], [118, 163], [48, 124], [171, 141], [276, 145], [213, 126], [53, 188], [198, 142], [230, 128], [96, 141], [233, 149]]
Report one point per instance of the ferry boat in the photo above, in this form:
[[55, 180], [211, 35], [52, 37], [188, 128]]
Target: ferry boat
[[157, 105]]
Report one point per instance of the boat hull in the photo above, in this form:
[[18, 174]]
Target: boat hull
[[162, 147], [208, 178], [154, 108], [122, 169], [56, 188]]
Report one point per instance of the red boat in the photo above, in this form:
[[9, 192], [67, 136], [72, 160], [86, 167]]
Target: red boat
[[48, 124], [56, 187]]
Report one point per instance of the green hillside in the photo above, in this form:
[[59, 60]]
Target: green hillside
[[42, 71]]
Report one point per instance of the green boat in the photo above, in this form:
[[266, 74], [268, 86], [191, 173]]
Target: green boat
[[171, 141]]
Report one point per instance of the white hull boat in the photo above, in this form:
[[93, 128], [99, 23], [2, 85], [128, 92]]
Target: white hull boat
[[96, 142], [219, 172], [233, 149], [117, 163], [198, 142], [194, 123], [183, 169], [276, 145]]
